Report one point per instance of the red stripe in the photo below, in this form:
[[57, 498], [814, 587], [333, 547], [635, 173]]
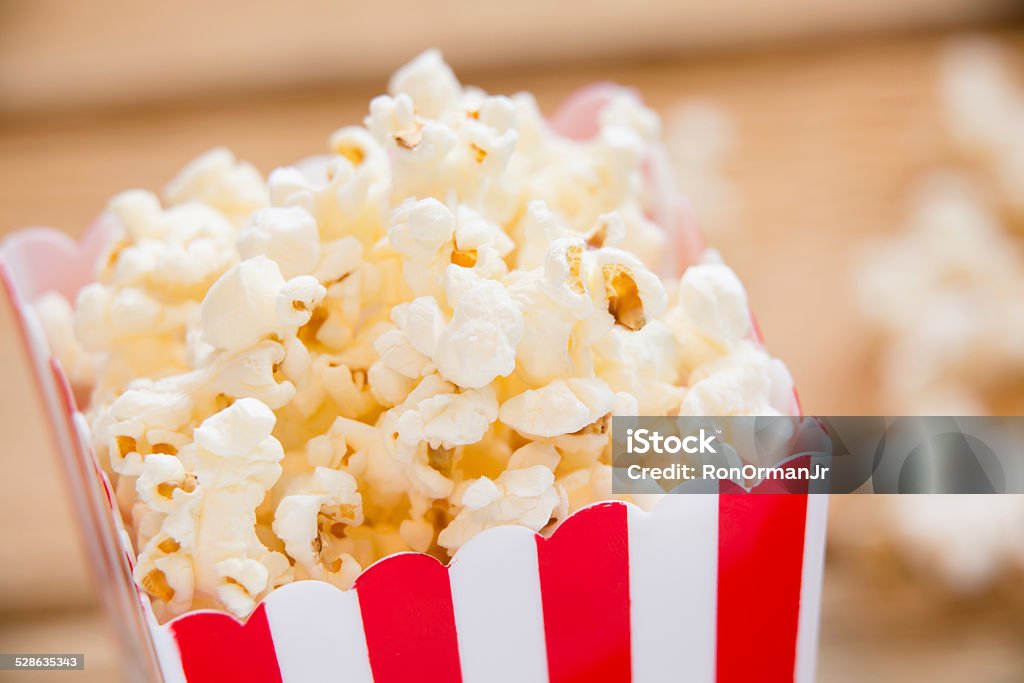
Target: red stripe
[[760, 561], [216, 648], [584, 583], [108, 490], [406, 603], [66, 395]]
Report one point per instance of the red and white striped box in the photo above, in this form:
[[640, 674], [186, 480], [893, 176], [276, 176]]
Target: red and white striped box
[[705, 587]]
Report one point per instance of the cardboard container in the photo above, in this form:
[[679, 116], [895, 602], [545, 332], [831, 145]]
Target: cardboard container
[[705, 587]]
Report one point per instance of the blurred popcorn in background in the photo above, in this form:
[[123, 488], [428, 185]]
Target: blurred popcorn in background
[[970, 542], [984, 106], [700, 135], [945, 294]]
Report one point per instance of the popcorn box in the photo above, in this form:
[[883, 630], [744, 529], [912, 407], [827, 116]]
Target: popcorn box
[[704, 587]]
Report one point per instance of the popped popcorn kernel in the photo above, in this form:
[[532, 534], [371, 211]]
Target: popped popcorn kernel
[[633, 293], [562, 407], [716, 303], [421, 334], [286, 235], [217, 179], [311, 520], [527, 497], [479, 343]]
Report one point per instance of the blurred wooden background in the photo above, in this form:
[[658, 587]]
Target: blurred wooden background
[[54, 53], [835, 115]]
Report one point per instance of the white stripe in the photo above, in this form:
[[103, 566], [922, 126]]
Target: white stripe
[[810, 588], [167, 654], [498, 613], [673, 576], [317, 628]]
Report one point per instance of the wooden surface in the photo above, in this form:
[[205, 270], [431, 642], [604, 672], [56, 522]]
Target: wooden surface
[[54, 53], [830, 138]]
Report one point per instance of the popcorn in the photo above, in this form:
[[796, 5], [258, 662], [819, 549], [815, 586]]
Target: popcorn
[[180, 248], [399, 354], [343, 197], [714, 300], [162, 474], [429, 82], [218, 180], [533, 454], [235, 461], [418, 146], [286, 235], [747, 382], [389, 387], [150, 282], [526, 497], [422, 232], [647, 365], [479, 343], [474, 232], [562, 407], [565, 276], [161, 410], [632, 292], [417, 336], [251, 374], [57, 318], [449, 419], [320, 509], [252, 301], [339, 259], [963, 539]]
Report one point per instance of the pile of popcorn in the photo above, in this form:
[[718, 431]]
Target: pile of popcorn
[[984, 103], [946, 292], [395, 346]]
